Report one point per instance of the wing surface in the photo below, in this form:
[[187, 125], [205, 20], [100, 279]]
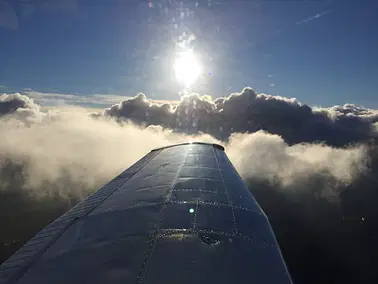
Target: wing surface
[[181, 214]]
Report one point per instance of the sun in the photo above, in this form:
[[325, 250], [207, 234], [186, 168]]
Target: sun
[[187, 68]]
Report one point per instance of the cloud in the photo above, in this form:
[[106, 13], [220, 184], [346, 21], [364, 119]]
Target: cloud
[[68, 152], [80, 100], [72, 145], [248, 112], [314, 17], [321, 200], [58, 99], [72, 153], [19, 106], [312, 169], [140, 110]]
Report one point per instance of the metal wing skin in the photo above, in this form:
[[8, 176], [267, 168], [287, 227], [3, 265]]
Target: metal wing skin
[[181, 214]]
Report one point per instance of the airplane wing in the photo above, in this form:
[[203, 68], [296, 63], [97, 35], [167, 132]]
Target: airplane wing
[[181, 214]]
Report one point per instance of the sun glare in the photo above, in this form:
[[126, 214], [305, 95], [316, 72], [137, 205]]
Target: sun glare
[[187, 68]]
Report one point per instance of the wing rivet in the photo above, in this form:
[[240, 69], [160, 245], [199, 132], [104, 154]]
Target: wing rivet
[[209, 240]]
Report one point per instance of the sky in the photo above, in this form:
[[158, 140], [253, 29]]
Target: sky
[[320, 52], [94, 53]]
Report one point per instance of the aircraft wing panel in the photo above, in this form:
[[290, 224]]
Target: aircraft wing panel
[[181, 214]]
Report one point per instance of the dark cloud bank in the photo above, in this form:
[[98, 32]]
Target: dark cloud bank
[[250, 112], [313, 170]]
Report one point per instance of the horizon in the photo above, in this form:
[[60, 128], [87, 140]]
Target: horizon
[[103, 101], [320, 52]]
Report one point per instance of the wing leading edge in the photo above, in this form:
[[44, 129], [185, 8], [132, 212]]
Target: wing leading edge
[[180, 214]]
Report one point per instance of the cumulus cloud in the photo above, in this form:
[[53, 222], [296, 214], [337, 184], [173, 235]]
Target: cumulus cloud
[[248, 112], [310, 169], [68, 152], [140, 110], [20, 107], [70, 149]]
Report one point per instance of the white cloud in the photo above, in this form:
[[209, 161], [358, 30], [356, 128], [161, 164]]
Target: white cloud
[[311, 168], [71, 152], [314, 17]]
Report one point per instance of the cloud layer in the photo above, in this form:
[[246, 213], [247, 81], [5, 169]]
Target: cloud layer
[[266, 137], [56, 99], [319, 198]]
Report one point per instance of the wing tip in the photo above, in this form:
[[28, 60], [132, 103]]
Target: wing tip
[[218, 146]]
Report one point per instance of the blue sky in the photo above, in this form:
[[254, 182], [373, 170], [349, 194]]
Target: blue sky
[[321, 52]]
